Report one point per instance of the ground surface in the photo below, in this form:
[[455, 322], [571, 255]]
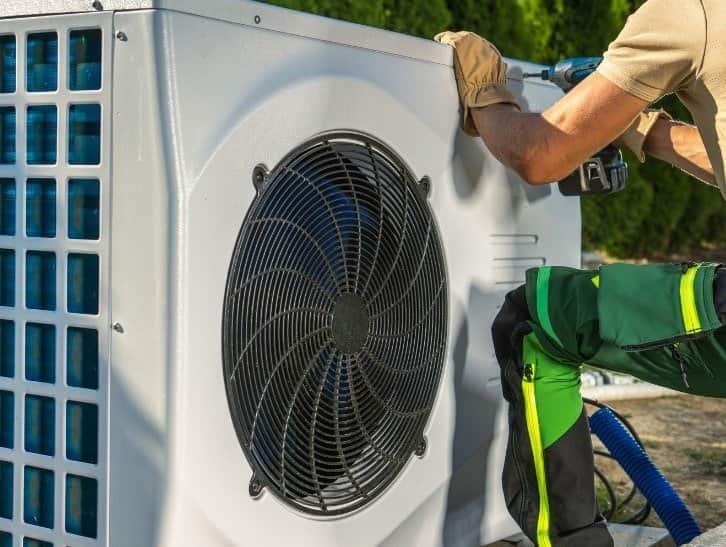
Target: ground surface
[[686, 438]]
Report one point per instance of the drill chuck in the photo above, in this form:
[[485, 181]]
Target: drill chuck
[[569, 72]]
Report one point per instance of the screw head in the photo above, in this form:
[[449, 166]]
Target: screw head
[[421, 447], [118, 327], [98, 6], [259, 176], [425, 185], [121, 35], [258, 19]]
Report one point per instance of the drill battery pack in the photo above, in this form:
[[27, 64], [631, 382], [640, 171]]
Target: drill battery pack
[[604, 173]]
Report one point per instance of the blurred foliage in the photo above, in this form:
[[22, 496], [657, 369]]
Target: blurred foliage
[[418, 17], [663, 210], [365, 12]]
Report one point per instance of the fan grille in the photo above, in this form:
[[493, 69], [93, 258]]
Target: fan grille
[[334, 326]]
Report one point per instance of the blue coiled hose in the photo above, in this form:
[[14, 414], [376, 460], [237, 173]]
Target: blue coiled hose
[[671, 509]]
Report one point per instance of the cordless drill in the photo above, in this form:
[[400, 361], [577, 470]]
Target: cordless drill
[[604, 173]]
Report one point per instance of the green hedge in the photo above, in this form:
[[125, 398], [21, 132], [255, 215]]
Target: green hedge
[[663, 210]]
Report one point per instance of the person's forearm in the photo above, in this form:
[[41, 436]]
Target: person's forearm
[[519, 140], [680, 145], [545, 148], [540, 151]]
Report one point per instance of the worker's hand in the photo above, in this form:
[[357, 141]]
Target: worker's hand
[[481, 74], [635, 136]]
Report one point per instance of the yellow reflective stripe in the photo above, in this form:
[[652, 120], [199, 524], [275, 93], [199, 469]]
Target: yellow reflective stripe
[[691, 319], [535, 440], [596, 281]]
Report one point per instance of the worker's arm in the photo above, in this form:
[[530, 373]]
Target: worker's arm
[[680, 145], [546, 147]]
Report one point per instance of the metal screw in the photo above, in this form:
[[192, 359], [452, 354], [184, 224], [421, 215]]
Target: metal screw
[[425, 185], [258, 19], [256, 487], [421, 448], [259, 176], [97, 5], [118, 327], [121, 35]]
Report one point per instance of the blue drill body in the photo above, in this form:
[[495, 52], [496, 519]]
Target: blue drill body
[[569, 72]]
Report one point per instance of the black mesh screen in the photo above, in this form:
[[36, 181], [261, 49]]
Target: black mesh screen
[[334, 327]]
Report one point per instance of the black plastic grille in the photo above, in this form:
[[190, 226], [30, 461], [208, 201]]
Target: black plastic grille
[[334, 327]]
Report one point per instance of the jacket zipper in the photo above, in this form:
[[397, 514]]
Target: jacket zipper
[[516, 437], [535, 439], [667, 342]]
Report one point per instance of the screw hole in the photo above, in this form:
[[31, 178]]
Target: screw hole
[[97, 5], [256, 487], [258, 19], [122, 36]]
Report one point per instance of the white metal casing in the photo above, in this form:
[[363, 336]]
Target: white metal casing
[[201, 93]]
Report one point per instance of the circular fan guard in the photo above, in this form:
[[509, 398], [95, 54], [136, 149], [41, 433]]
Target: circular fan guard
[[334, 326]]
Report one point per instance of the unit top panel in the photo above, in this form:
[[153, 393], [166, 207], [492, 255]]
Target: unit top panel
[[256, 14]]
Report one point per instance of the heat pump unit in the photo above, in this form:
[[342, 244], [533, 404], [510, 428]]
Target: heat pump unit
[[248, 268]]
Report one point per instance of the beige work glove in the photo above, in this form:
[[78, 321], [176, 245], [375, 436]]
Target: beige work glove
[[481, 74], [634, 137]]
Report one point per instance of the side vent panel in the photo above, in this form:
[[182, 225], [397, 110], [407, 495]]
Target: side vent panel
[[55, 117]]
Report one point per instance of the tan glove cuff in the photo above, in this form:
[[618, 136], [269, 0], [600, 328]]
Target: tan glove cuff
[[635, 136], [481, 74], [487, 96]]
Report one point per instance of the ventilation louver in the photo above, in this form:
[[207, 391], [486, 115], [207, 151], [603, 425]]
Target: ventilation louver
[[335, 324]]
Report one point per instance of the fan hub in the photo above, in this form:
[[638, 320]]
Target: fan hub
[[350, 323]]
